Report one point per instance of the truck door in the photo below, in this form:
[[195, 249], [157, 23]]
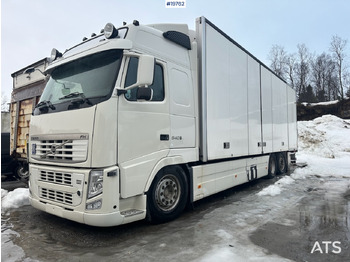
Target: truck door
[[143, 129]]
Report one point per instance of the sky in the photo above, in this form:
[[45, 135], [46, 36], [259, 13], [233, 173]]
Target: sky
[[30, 29]]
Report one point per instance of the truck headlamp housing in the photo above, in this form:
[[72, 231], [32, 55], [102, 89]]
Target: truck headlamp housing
[[95, 183], [94, 205], [110, 31], [55, 54]]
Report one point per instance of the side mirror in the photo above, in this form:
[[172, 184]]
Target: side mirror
[[145, 70], [144, 93]]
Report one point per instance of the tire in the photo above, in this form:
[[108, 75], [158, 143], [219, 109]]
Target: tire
[[167, 196], [22, 172], [282, 165], [272, 170]]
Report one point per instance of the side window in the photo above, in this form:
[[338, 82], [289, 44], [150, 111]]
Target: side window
[[157, 86]]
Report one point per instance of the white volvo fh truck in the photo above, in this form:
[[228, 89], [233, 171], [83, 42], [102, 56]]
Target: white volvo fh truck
[[140, 120]]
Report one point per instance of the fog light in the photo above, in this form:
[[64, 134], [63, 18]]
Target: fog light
[[94, 205], [55, 54], [110, 31]]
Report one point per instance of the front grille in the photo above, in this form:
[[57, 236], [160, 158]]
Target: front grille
[[56, 177], [57, 196], [60, 148], [59, 185]]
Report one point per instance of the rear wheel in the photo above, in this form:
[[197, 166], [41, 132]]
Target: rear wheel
[[272, 166], [167, 196], [282, 164]]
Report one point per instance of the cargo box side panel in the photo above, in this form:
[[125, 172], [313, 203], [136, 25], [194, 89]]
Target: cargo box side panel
[[266, 113], [218, 94], [227, 97], [279, 115], [292, 120], [254, 116]]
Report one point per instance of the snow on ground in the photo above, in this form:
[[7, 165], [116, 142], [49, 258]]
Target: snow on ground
[[321, 103], [324, 145], [14, 199]]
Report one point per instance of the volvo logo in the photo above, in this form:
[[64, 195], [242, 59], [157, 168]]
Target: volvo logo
[[53, 149]]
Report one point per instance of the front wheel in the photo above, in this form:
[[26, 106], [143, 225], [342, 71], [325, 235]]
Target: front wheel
[[167, 196]]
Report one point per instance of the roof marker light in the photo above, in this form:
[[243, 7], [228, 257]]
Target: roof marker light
[[110, 31]]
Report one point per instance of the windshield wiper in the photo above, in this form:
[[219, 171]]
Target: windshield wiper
[[76, 94], [45, 104]]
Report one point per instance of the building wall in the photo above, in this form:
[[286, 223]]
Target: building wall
[[27, 89], [5, 122]]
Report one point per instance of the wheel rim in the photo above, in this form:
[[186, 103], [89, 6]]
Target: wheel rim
[[168, 192], [22, 172]]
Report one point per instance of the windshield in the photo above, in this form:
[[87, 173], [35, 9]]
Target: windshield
[[81, 83]]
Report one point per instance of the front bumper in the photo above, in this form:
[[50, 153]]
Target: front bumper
[[100, 220], [63, 191]]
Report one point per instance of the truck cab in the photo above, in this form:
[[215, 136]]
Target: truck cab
[[118, 108]]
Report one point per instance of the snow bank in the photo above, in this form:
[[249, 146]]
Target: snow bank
[[14, 199], [321, 103], [276, 189], [324, 144], [327, 137]]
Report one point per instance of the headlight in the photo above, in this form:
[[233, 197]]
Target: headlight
[[95, 183]]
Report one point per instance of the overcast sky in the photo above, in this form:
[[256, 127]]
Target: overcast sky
[[31, 28]]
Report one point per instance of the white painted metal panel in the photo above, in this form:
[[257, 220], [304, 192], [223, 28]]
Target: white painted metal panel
[[254, 116], [227, 97], [209, 179], [292, 120], [243, 104], [218, 94], [212, 178], [266, 101], [182, 131], [181, 91], [238, 104], [279, 115]]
